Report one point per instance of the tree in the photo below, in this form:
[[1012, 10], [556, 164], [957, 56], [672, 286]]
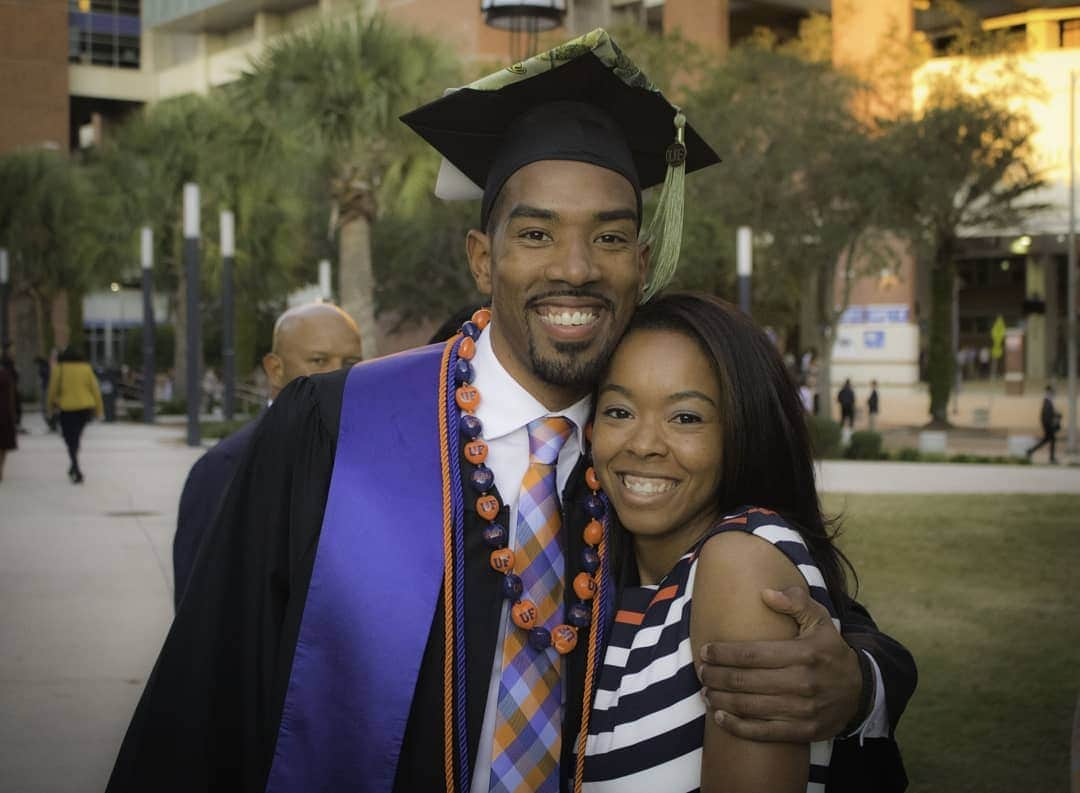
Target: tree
[[802, 171], [335, 90], [965, 161], [44, 209]]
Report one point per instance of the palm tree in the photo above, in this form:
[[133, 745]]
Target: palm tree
[[334, 91]]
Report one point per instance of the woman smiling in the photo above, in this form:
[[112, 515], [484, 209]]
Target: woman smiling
[[700, 444]]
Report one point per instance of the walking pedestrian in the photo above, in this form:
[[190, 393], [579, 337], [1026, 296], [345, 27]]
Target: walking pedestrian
[[8, 440], [7, 362], [872, 406], [74, 392], [1051, 425], [846, 398]]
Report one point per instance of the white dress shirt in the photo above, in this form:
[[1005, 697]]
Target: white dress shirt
[[505, 411]]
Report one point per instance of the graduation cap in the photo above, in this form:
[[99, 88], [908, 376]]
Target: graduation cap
[[583, 101]]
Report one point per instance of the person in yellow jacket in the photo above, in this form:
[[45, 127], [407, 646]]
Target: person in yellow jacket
[[74, 392]]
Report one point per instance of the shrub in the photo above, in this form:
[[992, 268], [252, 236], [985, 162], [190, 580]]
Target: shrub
[[825, 436], [864, 445], [908, 455], [172, 407]]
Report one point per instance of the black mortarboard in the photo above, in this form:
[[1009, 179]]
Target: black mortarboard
[[583, 101]]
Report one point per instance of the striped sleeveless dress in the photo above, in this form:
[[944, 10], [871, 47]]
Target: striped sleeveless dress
[[648, 719]]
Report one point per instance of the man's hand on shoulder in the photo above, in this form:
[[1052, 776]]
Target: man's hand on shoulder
[[793, 690]]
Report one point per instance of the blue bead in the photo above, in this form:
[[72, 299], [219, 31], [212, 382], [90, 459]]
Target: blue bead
[[482, 479], [590, 560], [471, 329], [495, 536], [579, 615], [540, 638], [470, 426], [463, 372], [511, 586], [594, 505]]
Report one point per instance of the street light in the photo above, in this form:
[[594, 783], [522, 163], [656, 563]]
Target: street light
[[1071, 307], [5, 275], [228, 322], [147, 260], [744, 265], [191, 271]]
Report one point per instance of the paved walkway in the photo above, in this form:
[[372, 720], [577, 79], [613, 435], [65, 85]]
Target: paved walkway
[[86, 584]]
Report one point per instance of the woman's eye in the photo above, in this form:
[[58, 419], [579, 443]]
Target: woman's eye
[[617, 413], [686, 418]]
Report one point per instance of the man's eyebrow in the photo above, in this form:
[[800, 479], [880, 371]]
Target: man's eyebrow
[[691, 395], [536, 213], [609, 215]]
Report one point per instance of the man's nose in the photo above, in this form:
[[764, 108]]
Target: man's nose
[[574, 263]]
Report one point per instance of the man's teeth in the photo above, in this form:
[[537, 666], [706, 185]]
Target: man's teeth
[[569, 318], [647, 486]]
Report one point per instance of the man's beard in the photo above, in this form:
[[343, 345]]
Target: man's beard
[[568, 368]]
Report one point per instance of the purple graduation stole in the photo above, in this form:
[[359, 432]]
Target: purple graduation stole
[[374, 587]]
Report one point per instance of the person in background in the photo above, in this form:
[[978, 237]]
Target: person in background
[[75, 393], [806, 396], [846, 398], [8, 363], [872, 406], [1050, 420], [308, 339], [8, 440]]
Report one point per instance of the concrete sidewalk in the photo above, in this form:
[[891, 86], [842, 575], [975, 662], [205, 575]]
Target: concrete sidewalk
[[86, 584], [85, 597]]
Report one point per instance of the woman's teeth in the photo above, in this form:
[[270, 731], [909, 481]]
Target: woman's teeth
[[647, 486], [569, 318]]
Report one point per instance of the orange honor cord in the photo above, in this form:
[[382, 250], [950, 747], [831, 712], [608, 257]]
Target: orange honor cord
[[590, 673], [448, 576]]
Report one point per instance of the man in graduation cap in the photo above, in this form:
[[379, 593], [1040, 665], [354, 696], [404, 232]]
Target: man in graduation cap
[[408, 583]]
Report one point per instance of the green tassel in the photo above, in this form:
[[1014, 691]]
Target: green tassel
[[664, 233]]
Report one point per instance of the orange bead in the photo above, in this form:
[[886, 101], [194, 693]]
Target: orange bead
[[487, 507], [524, 614], [590, 478], [467, 397], [588, 432], [502, 559], [467, 349], [584, 586], [564, 637], [482, 316], [476, 451], [594, 532]]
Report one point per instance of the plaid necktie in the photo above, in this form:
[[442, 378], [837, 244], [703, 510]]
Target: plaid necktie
[[528, 726]]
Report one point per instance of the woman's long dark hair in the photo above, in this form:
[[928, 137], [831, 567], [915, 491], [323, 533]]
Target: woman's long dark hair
[[767, 459]]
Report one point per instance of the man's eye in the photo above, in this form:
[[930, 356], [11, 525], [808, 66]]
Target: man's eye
[[535, 235], [611, 239], [617, 413]]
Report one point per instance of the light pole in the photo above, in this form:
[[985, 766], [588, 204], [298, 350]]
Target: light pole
[[228, 323], [147, 261], [324, 280], [191, 272], [744, 265], [5, 276], [1071, 303]]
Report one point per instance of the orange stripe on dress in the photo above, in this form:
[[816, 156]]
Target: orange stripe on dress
[[667, 593], [629, 617]]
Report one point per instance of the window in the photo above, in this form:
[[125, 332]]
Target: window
[[104, 33], [1070, 33]]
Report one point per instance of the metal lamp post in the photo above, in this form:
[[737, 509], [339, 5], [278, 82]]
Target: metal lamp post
[[524, 20], [744, 265], [1072, 275], [191, 271], [147, 245], [228, 322], [5, 277], [324, 280]]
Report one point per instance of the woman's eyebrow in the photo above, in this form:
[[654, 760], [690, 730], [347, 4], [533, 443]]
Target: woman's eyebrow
[[691, 395]]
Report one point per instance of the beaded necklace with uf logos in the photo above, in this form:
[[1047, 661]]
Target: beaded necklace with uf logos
[[460, 433]]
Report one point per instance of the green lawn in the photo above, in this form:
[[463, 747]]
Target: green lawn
[[984, 592]]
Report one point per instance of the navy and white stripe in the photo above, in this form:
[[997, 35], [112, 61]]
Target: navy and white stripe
[[648, 719]]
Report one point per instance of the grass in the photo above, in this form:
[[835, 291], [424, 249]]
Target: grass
[[983, 591]]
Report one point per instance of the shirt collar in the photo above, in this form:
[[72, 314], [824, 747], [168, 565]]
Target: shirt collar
[[505, 406]]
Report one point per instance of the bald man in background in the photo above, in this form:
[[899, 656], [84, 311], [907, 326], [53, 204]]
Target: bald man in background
[[308, 339]]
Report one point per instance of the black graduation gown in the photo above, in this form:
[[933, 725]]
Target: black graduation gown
[[209, 715]]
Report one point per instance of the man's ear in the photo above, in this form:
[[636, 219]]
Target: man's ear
[[275, 372], [644, 251], [478, 249]]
